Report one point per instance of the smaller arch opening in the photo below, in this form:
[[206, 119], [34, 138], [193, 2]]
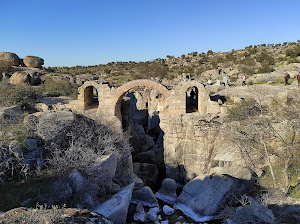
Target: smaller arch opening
[[192, 95], [91, 98]]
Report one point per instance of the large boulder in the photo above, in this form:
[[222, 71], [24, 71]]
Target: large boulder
[[252, 214], [145, 197], [203, 197], [33, 61], [20, 77], [167, 192], [10, 57], [116, 208]]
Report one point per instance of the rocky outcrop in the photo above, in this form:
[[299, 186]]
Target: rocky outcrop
[[33, 61], [194, 144], [10, 57], [28, 77]]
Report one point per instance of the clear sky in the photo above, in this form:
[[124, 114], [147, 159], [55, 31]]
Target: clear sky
[[91, 32]]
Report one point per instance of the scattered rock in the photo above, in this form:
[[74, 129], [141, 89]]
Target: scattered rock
[[168, 210], [10, 57], [33, 61], [117, 207], [152, 213], [140, 215], [167, 192], [145, 197]]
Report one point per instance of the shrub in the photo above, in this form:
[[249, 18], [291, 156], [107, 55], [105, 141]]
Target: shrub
[[40, 215], [243, 110], [294, 52], [11, 165], [85, 141], [60, 88], [18, 94]]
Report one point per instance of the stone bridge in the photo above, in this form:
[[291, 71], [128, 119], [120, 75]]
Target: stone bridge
[[109, 99]]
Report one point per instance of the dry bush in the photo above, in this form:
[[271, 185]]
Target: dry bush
[[11, 164], [86, 141], [40, 215]]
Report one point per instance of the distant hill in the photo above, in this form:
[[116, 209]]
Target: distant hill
[[251, 60]]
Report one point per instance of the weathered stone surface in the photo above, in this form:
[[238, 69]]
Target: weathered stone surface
[[252, 214], [33, 61], [204, 196], [10, 57], [117, 207], [167, 192], [147, 172], [241, 176], [145, 197]]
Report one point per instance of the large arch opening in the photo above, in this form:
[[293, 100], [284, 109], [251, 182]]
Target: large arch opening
[[137, 107], [91, 100], [192, 95]]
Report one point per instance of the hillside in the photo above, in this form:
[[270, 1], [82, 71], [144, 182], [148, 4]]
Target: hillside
[[251, 60]]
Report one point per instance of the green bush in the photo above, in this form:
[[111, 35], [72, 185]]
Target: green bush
[[60, 88], [18, 94]]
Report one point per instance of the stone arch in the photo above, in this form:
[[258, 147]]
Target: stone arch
[[86, 93], [203, 96], [191, 99], [122, 90]]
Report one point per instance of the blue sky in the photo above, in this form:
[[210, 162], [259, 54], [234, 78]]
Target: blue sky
[[91, 32]]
